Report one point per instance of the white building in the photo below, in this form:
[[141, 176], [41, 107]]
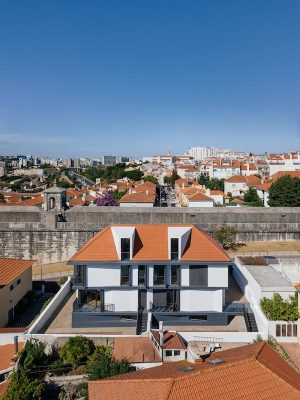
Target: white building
[[238, 185], [134, 275], [201, 153]]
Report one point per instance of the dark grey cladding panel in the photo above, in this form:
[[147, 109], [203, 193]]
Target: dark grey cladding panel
[[181, 319], [91, 320]]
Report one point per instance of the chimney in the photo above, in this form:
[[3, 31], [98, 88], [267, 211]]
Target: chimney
[[16, 342], [161, 334]]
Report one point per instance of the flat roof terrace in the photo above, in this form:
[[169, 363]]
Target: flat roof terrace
[[267, 277]]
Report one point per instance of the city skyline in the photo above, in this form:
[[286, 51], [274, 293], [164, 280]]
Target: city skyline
[[143, 78]]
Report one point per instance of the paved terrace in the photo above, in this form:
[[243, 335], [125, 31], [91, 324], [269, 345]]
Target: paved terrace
[[61, 322]]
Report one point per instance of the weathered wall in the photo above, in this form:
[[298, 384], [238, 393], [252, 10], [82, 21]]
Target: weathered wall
[[28, 232]]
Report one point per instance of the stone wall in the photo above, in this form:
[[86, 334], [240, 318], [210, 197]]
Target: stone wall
[[28, 232]]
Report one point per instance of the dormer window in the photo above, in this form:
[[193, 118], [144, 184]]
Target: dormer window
[[174, 248], [125, 249]]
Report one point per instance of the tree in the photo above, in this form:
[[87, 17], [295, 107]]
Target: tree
[[134, 175], [285, 192], [21, 387], [76, 350], [170, 180], [211, 183], [150, 178], [102, 365], [277, 309], [106, 200], [226, 236], [252, 199], [33, 354]]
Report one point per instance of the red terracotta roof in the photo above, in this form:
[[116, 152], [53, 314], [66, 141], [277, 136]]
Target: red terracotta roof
[[199, 197], [135, 350], [246, 373], [171, 340], [7, 352], [151, 243], [137, 198], [181, 181], [76, 202], [280, 174], [11, 268], [251, 180]]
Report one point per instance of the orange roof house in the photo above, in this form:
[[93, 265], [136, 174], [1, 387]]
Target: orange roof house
[[151, 243], [141, 197], [251, 372], [15, 282], [251, 180], [11, 268], [200, 197]]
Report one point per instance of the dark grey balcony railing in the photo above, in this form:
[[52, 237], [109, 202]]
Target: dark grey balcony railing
[[77, 306]]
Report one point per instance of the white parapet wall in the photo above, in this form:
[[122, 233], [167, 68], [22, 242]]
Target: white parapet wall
[[50, 309], [252, 291], [233, 337]]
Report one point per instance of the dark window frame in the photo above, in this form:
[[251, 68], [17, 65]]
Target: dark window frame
[[174, 243], [125, 279], [159, 279], [125, 249], [175, 275], [144, 277]]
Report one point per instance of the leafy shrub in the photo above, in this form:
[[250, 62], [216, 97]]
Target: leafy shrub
[[226, 236], [76, 350], [63, 280], [33, 354], [277, 309], [21, 387], [248, 260], [101, 364]]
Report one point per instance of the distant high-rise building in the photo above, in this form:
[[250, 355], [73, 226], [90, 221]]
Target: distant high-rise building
[[201, 153], [110, 160]]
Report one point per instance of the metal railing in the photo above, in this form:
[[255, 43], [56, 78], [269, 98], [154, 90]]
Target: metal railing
[[86, 307]]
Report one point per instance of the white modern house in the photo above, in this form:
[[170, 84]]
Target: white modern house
[[128, 275]]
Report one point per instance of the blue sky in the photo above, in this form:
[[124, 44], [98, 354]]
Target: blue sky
[[137, 77]]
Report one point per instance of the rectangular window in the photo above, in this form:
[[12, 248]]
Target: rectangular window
[[295, 330], [159, 275], [283, 330], [176, 352], [198, 275], [174, 249], [289, 330], [125, 249], [175, 275], [168, 353], [278, 330], [142, 275], [125, 275], [79, 273]]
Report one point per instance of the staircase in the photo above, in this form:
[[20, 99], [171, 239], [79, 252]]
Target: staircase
[[142, 320], [252, 326]]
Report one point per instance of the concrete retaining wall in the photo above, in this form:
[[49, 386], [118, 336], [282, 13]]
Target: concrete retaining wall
[[29, 232]]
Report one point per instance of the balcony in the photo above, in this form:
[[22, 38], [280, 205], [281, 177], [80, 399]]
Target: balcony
[[90, 308]]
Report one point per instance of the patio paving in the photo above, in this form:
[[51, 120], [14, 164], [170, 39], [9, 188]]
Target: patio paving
[[61, 322]]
